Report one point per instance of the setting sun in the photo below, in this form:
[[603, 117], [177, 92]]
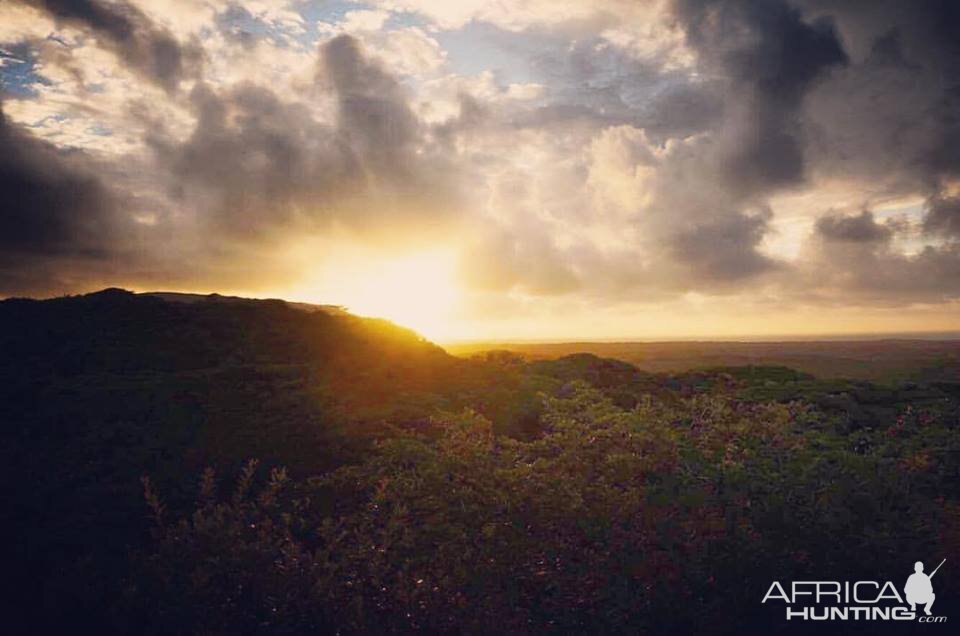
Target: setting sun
[[416, 290]]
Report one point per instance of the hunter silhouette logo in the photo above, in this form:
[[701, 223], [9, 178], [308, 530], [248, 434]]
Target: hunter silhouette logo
[[858, 600], [919, 590]]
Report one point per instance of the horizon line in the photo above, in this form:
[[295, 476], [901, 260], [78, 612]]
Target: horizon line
[[838, 337], [904, 336]]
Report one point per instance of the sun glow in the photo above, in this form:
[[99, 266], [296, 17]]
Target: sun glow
[[416, 290]]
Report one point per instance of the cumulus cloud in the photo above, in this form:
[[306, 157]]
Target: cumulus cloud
[[853, 229], [771, 56], [696, 203], [255, 169], [611, 151], [853, 259], [890, 115], [127, 31], [49, 204], [256, 162], [56, 211], [261, 171], [943, 219]]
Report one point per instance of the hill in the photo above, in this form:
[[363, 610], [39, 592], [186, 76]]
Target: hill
[[180, 297], [100, 389], [491, 455]]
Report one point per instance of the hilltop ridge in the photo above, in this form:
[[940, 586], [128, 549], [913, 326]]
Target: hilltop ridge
[[183, 297]]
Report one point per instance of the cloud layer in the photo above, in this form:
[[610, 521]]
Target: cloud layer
[[614, 153]]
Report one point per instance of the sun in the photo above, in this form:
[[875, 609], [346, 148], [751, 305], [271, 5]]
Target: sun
[[417, 289]]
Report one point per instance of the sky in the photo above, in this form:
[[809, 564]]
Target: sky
[[494, 169]]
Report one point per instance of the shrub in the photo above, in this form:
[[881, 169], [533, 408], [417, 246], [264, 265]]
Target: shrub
[[655, 519]]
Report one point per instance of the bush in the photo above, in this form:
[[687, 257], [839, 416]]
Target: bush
[[657, 519]]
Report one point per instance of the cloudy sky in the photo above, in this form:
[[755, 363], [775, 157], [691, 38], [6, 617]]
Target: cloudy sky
[[494, 168]]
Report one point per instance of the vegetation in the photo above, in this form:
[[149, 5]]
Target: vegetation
[[402, 489]]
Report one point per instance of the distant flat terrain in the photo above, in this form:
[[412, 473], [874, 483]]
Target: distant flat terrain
[[876, 360]]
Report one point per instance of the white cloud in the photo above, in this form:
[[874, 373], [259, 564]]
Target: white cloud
[[363, 20], [19, 22]]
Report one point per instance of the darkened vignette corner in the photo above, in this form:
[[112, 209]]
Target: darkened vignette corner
[[500, 316]]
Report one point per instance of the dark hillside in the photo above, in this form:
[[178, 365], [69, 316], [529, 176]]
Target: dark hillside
[[97, 390], [116, 331]]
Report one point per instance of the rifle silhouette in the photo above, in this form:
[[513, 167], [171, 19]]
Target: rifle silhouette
[[937, 568]]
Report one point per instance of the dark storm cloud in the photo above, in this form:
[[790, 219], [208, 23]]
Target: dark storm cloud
[[373, 112], [698, 226], [759, 59], [256, 169], [772, 56], [852, 258], [724, 249], [799, 102], [682, 109], [853, 229], [50, 203], [884, 277], [764, 43], [257, 164], [893, 115], [382, 140], [54, 208], [250, 159], [142, 45], [943, 217], [706, 216], [889, 119]]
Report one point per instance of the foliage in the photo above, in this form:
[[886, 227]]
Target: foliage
[[574, 494], [655, 519]]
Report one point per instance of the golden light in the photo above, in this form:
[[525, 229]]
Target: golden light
[[416, 289]]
